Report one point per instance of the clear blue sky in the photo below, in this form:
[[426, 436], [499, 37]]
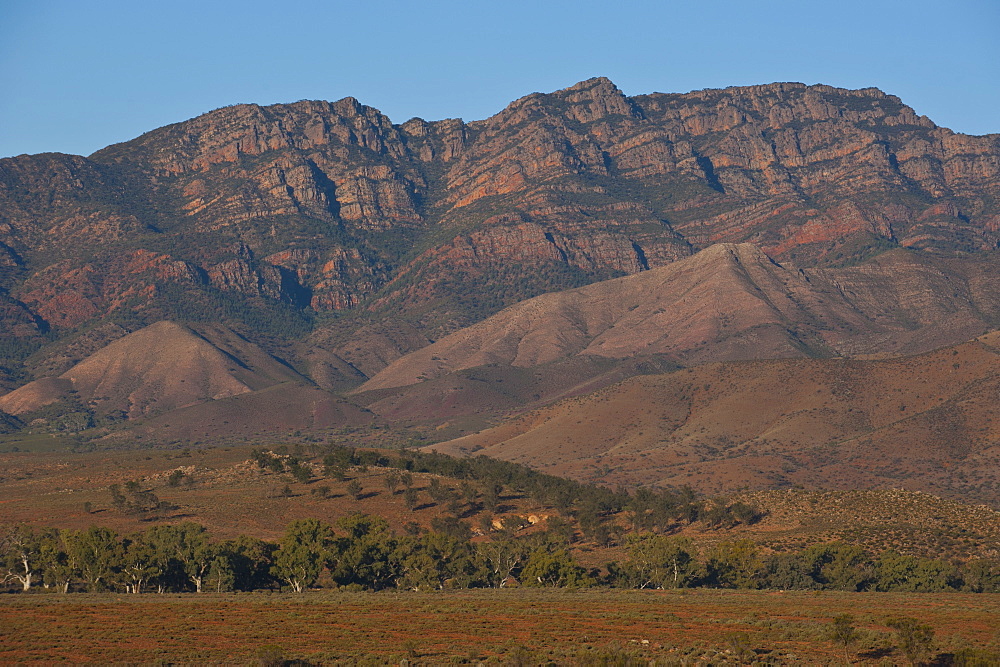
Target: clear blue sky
[[76, 75]]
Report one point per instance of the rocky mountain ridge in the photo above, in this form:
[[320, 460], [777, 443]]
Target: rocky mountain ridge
[[339, 241], [332, 206]]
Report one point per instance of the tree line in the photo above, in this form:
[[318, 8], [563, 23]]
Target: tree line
[[361, 552]]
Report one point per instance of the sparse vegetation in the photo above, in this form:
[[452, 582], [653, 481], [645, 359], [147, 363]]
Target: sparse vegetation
[[493, 626]]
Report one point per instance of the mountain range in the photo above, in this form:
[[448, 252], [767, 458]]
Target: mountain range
[[310, 265]]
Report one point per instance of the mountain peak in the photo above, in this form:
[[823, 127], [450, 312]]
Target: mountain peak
[[161, 367], [740, 252], [600, 82], [596, 98]]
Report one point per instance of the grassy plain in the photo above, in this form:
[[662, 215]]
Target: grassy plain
[[507, 626]]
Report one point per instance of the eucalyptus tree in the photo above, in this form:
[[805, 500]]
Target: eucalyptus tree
[[142, 563], [437, 561], [98, 555], [60, 568], [187, 549], [837, 565], [897, 572], [733, 564], [21, 556], [554, 568], [222, 573], [251, 559], [658, 561], [304, 550], [367, 553], [501, 560]]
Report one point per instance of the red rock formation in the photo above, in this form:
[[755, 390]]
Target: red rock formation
[[336, 208]]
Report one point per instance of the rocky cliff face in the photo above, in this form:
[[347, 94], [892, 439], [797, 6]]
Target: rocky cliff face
[[318, 207]]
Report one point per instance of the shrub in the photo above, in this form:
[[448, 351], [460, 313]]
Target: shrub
[[843, 632], [915, 638]]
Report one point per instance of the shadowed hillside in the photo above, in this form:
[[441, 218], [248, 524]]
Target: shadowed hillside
[[727, 302], [928, 422]]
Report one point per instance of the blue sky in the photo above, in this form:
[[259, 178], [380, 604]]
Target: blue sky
[[77, 76]]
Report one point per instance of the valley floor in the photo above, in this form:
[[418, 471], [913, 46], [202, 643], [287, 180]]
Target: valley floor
[[517, 626]]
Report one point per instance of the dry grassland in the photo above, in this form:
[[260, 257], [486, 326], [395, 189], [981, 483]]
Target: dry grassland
[[567, 627]]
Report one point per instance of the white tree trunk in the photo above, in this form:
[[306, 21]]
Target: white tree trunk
[[25, 579]]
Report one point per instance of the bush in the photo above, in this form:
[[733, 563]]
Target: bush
[[270, 655], [915, 638], [843, 632]]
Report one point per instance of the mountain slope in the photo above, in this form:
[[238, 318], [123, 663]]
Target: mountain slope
[[157, 369], [727, 302], [928, 422]]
